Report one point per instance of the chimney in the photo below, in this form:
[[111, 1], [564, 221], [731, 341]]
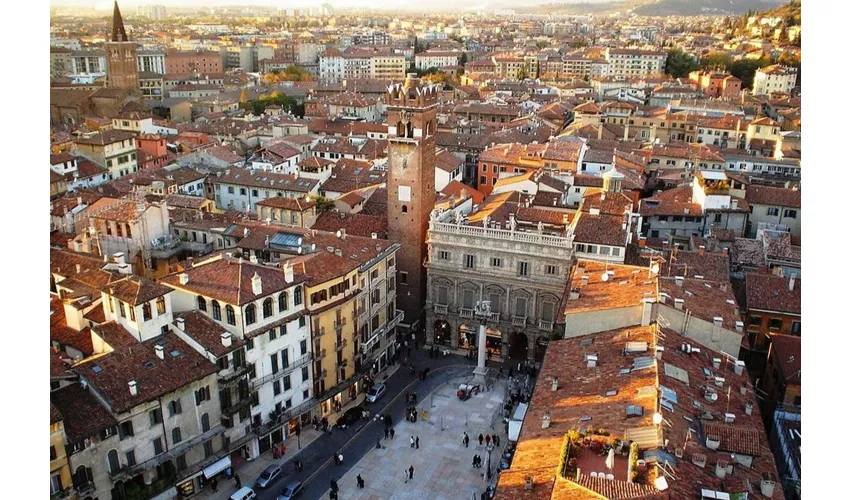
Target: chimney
[[119, 258], [184, 278], [744, 390], [79, 268], [718, 321], [702, 249], [687, 210], [646, 317], [288, 272], [642, 242], [585, 280], [160, 352], [734, 204], [739, 367], [591, 360], [739, 326], [662, 297], [554, 384], [720, 469], [680, 280], [226, 339], [575, 293], [729, 418], [256, 284], [715, 362], [374, 236], [659, 351], [253, 259], [791, 283], [725, 251], [679, 304], [748, 408], [767, 485], [341, 233], [547, 420], [133, 390], [723, 287]]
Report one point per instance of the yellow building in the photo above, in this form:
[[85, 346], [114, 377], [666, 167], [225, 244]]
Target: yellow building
[[60, 471]]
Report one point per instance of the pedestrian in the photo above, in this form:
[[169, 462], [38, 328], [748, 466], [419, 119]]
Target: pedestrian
[[481, 440], [406, 476], [378, 444], [360, 482], [238, 481], [410, 470], [392, 433], [215, 484], [339, 458], [412, 442], [417, 442], [487, 440], [496, 439], [475, 461], [466, 440], [386, 433], [334, 486]]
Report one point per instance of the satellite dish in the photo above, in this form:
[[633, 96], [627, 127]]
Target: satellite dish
[[605, 276], [713, 396]]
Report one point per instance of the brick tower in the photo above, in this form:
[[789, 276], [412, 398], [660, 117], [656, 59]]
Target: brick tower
[[412, 118], [121, 67]]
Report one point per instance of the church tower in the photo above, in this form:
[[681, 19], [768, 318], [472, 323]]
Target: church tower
[[412, 119], [121, 67]]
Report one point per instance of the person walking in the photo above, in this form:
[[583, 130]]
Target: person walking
[[392, 433], [498, 440], [334, 486], [475, 461], [406, 476], [466, 440], [481, 440], [417, 442], [412, 441], [386, 433], [360, 483], [410, 470], [238, 481], [487, 439], [215, 484]]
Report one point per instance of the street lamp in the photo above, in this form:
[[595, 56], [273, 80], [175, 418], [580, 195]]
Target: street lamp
[[489, 448]]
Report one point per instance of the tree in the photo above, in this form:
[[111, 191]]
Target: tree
[[323, 205], [463, 58], [521, 74], [745, 70], [716, 61], [679, 64]]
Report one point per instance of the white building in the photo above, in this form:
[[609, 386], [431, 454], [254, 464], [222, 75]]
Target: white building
[[635, 62], [774, 78], [436, 59]]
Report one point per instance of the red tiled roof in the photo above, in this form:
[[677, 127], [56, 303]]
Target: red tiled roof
[[135, 290], [358, 224], [767, 292], [206, 332], [82, 414], [769, 195]]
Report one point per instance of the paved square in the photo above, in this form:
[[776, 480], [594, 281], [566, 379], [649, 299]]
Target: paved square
[[442, 465]]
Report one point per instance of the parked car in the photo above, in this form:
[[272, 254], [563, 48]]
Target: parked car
[[243, 493], [376, 392], [268, 476], [291, 490], [350, 416]]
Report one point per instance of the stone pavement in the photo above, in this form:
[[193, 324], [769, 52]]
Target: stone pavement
[[442, 465]]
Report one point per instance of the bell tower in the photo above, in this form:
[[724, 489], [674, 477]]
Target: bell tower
[[121, 66], [412, 118]]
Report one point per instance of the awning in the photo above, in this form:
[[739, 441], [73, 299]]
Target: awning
[[519, 413], [217, 467], [514, 427]]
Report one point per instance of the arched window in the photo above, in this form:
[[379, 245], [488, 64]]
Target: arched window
[[399, 129], [202, 303], [282, 302], [112, 459], [216, 310], [205, 422], [176, 435], [409, 130], [404, 209], [297, 297], [231, 315], [250, 314], [268, 307], [146, 311]]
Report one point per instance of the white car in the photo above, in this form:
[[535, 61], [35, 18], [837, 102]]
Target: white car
[[376, 392]]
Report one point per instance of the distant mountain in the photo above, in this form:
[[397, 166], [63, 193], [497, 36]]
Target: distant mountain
[[697, 7]]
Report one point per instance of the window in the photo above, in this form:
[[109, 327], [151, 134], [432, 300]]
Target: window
[[231, 315], [287, 383], [208, 449], [402, 277], [132, 313], [157, 446], [52, 452], [242, 191], [267, 307], [250, 315], [229, 189], [468, 261], [775, 324], [176, 435], [181, 463], [302, 321], [297, 298], [795, 327], [718, 218], [634, 411], [201, 395], [791, 214], [521, 304], [216, 310], [125, 429], [551, 270], [522, 268], [677, 218], [282, 304], [156, 417], [202, 303], [249, 344], [483, 181], [146, 311], [305, 374], [160, 305], [205, 422], [174, 407], [275, 367], [121, 309], [276, 387], [774, 211], [112, 460], [755, 321], [443, 255], [495, 262], [306, 393], [131, 458]]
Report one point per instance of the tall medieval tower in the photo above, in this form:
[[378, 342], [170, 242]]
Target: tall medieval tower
[[121, 67], [412, 118]]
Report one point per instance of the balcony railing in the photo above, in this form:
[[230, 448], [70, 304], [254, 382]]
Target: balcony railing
[[318, 332], [236, 408], [298, 363], [85, 488], [441, 309], [228, 376], [545, 325], [466, 313], [172, 453], [320, 354], [341, 323], [518, 320], [323, 375], [340, 345], [494, 317]]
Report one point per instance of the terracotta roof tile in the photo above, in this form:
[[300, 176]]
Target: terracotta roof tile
[[767, 292], [82, 414]]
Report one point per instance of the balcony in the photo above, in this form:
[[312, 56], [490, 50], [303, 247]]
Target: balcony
[[86, 488], [229, 376], [338, 324], [323, 375], [399, 317], [338, 346], [298, 363], [318, 332], [518, 320], [172, 453], [545, 325], [441, 309], [235, 408], [320, 354], [494, 317], [466, 313]]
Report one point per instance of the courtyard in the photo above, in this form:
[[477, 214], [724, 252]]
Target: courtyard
[[442, 465]]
